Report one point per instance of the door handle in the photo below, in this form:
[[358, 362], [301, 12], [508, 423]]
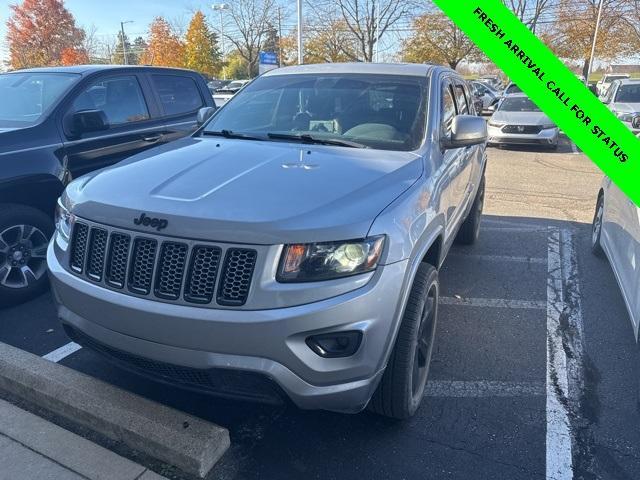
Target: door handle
[[152, 138]]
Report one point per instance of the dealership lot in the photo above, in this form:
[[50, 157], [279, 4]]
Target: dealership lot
[[535, 366]]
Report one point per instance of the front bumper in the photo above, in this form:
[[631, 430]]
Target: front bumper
[[547, 136], [270, 343]]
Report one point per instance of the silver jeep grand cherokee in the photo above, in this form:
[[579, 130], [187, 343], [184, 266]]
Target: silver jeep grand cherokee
[[290, 247]]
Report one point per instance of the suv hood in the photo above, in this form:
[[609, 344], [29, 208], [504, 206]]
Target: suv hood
[[248, 191]]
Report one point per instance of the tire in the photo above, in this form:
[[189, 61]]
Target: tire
[[401, 388], [24, 235], [596, 228], [470, 229]]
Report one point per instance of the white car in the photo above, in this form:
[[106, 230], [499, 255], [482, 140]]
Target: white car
[[623, 99], [616, 234], [603, 84], [224, 94]]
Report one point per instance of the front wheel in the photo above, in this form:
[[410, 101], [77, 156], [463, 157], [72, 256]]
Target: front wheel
[[24, 235], [402, 386]]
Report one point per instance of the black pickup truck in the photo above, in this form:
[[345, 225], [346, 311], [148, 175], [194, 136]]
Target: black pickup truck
[[61, 122]]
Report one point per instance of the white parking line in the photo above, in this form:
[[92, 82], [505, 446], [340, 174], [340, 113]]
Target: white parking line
[[494, 303], [483, 388], [559, 460], [501, 258], [62, 352]]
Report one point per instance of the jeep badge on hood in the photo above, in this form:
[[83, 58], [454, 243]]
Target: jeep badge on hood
[[157, 223]]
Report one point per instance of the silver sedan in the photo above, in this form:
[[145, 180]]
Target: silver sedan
[[518, 121]]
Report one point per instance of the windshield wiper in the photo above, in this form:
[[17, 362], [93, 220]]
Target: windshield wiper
[[306, 138], [230, 134]]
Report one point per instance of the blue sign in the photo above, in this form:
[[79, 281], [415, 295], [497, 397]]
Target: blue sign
[[268, 58]]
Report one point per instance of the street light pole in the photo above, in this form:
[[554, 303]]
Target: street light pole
[[593, 46], [124, 44], [300, 42], [220, 7]]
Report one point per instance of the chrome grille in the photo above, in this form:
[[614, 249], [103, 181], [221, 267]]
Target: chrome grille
[[236, 278], [163, 268], [526, 129]]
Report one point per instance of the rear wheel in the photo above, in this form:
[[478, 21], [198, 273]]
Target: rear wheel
[[470, 229], [596, 228], [401, 388], [24, 235]]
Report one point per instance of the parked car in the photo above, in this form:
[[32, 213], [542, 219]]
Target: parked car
[[492, 81], [224, 94], [511, 89], [488, 96], [623, 98], [291, 246], [214, 85], [519, 121], [605, 82], [616, 236], [61, 122]]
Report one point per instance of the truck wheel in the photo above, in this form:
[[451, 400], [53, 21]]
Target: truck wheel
[[402, 386], [596, 229], [24, 235], [470, 228]]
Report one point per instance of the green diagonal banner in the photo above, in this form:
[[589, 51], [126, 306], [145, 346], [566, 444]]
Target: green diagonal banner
[[552, 86]]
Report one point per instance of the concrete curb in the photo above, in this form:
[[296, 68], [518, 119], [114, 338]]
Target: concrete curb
[[175, 438]]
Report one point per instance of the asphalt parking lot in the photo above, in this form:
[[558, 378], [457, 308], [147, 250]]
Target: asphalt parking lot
[[534, 375]]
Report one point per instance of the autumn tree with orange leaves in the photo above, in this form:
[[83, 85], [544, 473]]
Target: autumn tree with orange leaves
[[164, 46], [44, 33]]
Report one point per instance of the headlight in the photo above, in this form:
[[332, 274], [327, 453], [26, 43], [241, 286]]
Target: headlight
[[324, 261], [626, 117], [547, 126], [63, 220], [496, 124]]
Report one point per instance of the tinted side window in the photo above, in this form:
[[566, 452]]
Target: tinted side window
[[448, 109], [120, 98], [461, 99], [177, 94]]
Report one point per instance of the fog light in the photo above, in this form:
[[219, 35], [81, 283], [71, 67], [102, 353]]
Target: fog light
[[337, 344]]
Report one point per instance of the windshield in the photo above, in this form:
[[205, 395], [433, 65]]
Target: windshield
[[378, 111], [611, 78], [235, 85], [518, 104], [628, 93], [26, 96], [512, 88]]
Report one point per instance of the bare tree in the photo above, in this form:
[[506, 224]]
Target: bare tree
[[530, 11], [366, 20], [252, 20]]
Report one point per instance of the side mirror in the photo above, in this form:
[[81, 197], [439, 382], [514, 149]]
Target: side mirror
[[87, 121], [466, 130], [204, 114]]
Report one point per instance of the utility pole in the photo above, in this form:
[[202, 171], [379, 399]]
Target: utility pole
[[376, 6], [300, 42], [124, 44], [220, 7], [593, 46], [279, 37]]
